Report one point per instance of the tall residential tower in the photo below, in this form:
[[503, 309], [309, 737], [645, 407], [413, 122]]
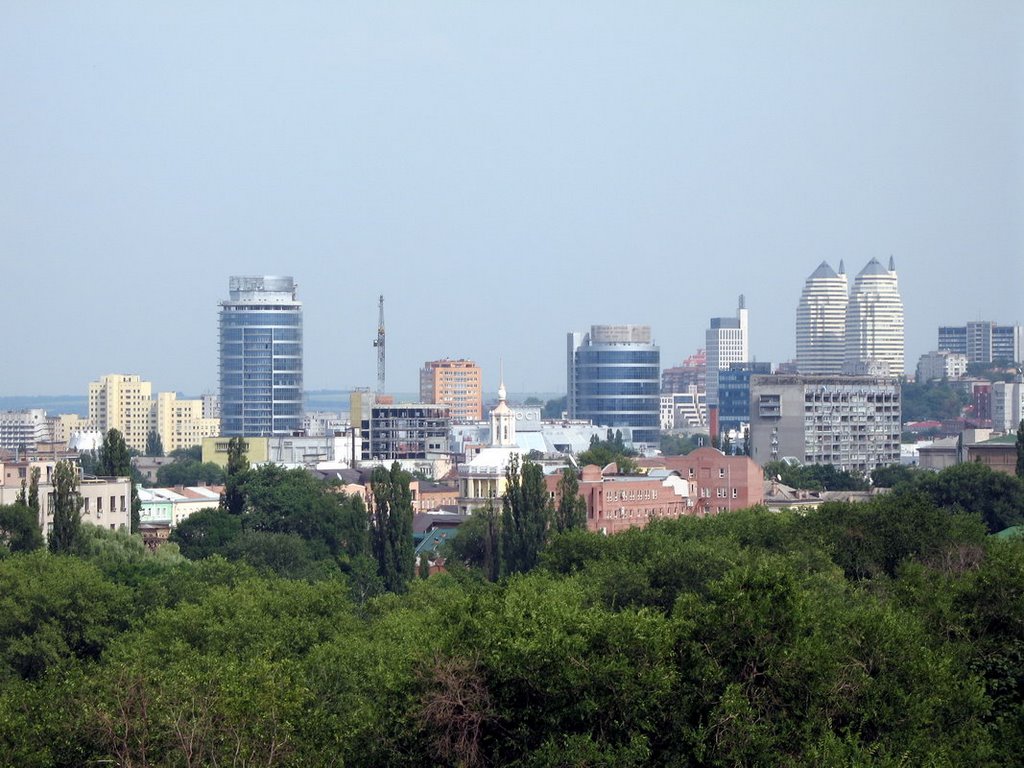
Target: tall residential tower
[[821, 321], [874, 322], [261, 357]]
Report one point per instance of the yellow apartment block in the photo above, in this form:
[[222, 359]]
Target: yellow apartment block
[[215, 449], [125, 402]]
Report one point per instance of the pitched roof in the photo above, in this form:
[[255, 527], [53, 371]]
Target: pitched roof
[[823, 270]]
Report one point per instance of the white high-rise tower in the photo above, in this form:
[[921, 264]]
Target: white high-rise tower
[[821, 321], [874, 322]]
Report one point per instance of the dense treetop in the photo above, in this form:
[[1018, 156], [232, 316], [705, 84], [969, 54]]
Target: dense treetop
[[885, 633]]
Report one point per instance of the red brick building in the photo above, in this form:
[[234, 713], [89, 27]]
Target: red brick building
[[617, 502], [718, 483]]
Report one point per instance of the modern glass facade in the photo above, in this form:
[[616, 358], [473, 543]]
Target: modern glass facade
[[261, 358], [734, 393], [614, 379]]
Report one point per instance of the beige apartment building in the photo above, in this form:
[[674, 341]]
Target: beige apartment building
[[106, 501], [125, 402], [180, 423], [455, 383]]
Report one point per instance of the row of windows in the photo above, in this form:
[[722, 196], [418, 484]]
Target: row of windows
[[599, 357], [617, 388], [267, 334], [255, 319], [617, 372], [644, 405]]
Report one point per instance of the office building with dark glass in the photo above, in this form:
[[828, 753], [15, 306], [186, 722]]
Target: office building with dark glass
[[614, 380], [260, 357], [734, 394]]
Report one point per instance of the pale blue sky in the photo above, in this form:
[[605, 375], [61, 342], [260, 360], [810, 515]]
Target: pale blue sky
[[503, 173]]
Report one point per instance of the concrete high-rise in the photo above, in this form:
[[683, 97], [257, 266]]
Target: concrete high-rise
[[613, 379], [874, 322], [261, 357], [851, 422], [726, 342], [983, 341], [123, 402], [455, 383], [821, 321]]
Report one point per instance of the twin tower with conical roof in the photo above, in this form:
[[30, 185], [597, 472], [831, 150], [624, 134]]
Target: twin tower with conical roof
[[851, 331]]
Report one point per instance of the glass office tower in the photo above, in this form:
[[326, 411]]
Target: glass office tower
[[260, 358], [614, 379]]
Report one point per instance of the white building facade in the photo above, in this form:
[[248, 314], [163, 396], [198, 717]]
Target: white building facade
[[874, 321], [821, 321]]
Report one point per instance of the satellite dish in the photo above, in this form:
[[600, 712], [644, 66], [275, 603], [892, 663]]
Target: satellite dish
[[779, 478]]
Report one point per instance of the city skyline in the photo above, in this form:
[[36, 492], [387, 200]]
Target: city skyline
[[499, 175]]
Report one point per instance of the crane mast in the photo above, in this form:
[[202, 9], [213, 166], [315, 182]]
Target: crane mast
[[379, 344]]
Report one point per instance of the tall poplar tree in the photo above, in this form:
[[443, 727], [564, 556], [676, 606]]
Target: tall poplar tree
[[115, 460], [1020, 449], [66, 508], [391, 527], [526, 511], [33, 490], [571, 511], [237, 471]]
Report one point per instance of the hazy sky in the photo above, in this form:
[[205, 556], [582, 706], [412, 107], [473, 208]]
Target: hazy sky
[[502, 173]]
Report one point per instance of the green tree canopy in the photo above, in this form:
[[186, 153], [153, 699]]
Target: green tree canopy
[[189, 472], [154, 445], [391, 527], [19, 529], [66, 506], [526, 513], [571, 511]]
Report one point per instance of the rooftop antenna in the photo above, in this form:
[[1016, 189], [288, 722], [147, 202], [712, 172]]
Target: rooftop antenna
[[379, 344]]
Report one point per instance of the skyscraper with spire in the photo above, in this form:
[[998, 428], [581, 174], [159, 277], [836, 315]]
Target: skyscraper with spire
[[874, 322], [821, 321]]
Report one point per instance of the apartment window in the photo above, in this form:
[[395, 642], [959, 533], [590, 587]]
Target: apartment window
[[99, 505], [721, 471]]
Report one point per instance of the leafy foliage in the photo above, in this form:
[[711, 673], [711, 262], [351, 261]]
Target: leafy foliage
[[154, 445], [571, 511], [19, 529], [886, 633], [525, 514], [680, 445], [611, 449], [114, 459], [189, 472], [67, 509], [932, 401], [391, 527], [815, 477]]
